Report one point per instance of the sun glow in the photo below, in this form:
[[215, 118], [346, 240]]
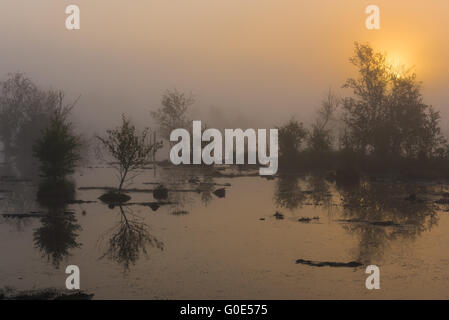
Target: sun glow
[[399, 63], [397, 59]]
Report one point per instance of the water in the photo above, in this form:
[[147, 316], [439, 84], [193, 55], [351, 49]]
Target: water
[[205, 247]]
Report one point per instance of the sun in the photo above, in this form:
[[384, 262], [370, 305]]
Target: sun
[[398, 62], [396, 59]]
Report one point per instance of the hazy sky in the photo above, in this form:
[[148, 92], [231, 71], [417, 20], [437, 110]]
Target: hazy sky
[[249, 63]]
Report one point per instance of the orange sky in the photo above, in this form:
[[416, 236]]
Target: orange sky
[[248, 62]]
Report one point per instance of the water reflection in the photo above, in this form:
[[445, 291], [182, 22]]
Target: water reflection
[[184, 185], [57, 235], [59, 229], [128, 239], [17, 196], [288, 193], [379, 213], [205, 187], [319, 190], [376, 215]]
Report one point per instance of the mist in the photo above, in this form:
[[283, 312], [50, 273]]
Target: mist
[[247, 63]]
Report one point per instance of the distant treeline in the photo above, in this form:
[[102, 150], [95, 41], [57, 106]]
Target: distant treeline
[[383, 126]]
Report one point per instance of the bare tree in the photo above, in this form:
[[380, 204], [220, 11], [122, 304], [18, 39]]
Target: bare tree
[[173, 112], [320, 136], [131, 150], [25, 111], [17, 93]]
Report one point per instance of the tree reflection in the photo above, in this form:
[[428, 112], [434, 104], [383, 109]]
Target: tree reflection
[[206, 187], [292, 192], [59, 229], [319, 190], [288, 193], [128, 239], [378, 213], [57, 235]]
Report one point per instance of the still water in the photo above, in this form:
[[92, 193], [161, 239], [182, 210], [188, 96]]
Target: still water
[[197, 245]]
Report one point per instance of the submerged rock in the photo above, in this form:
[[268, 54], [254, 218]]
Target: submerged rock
[[278, 215], [352, 264], [160, 193], [154, 206], [307, 219], [179, 212], [221, 193], [114, 197]]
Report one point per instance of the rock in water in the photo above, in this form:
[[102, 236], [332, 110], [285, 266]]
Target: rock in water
[[278, 215], [160, 192], [114, 197], [221, 193], [352, 264], [154, 206]]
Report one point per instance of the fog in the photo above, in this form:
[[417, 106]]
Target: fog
[[249, 63]]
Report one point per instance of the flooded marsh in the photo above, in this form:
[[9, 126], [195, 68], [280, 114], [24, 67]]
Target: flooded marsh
[[198, 244]]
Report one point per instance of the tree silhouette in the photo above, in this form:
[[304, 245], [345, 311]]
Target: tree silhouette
[[386, 115], [58, 149], [173, 112], [291, 137], [130, 149]]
